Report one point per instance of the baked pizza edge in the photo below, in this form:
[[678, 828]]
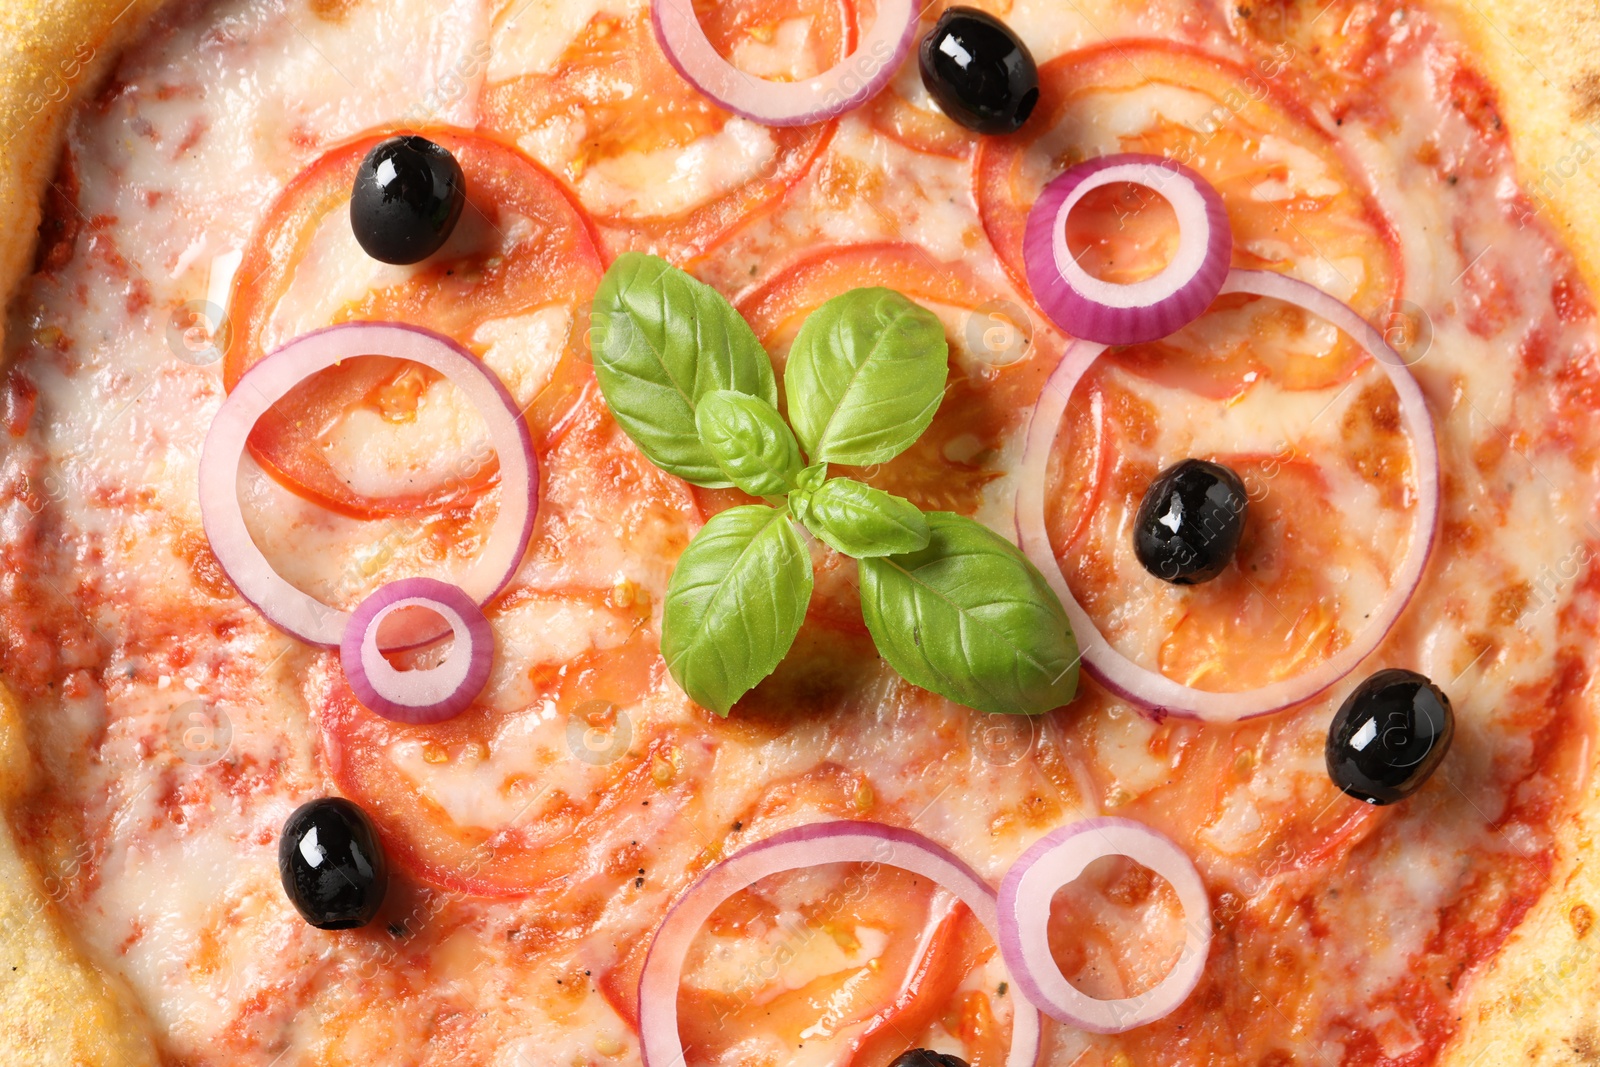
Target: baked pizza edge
[[1536, 1002], [58, 1008]]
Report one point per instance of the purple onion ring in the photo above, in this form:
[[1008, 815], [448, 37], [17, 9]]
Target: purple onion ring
[[1150, 689], [430, 694], [1115, 314], [1056, 860], [805, 846], [298, 613], [849, 83]]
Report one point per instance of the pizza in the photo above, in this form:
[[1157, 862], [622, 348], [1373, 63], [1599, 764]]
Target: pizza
[[832, 533]]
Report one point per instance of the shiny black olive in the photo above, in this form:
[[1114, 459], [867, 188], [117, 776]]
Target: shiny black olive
[[408, 195], [979, 72], [1190, 522], [921, 1057], [332, 864], [1389, 736]]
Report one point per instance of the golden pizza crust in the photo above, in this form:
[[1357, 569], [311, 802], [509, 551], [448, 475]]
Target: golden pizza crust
[[55, 1007], [1538, 1002]]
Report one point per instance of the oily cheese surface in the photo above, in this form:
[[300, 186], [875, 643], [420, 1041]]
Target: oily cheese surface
[[1537, 1003]]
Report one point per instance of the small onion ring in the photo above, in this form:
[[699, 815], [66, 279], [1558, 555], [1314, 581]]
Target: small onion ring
[[291, 610], [799, 103], [427, 695], [1152, 690], [1057, 859], [805, 846], [1118, 314]]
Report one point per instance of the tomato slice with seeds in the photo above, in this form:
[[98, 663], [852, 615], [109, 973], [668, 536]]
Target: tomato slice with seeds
[[612, 116], [992, 384], [1294, 204], [519, 271]]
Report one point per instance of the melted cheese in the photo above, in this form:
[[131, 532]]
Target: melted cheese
[[179, 896]]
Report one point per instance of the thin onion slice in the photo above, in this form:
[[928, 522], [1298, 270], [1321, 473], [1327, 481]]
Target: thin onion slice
[[1124, 314], [847, 84], [1059, 858], [801, 847], [430, 694], [1154, 691], [291, 610]]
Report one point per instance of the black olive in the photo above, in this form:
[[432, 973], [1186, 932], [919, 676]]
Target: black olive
[[1389, 736], [408, 195], [921, 1057], [981, 74], [1190, 522], [332, 864]]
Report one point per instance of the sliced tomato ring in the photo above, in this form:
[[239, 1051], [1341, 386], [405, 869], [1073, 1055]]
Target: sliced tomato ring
[[990, 389], [459, 817], [906, 112], [1304, 558], [523, 258], [612, 116], [856, 962], [829, 959], [1294, 204], [578, 745]]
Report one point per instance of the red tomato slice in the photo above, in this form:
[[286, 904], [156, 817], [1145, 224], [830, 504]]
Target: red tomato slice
[[920, 125], [615, 77], [853, 961], [552, 834], [524, 246], [501, 800], [1263, 620], [946, 469], [1294, 204], [833, 957], [921, 128]]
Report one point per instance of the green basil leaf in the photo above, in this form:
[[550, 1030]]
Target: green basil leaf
[[661, 341], [808, 481], [865, 376], [750, 442], [734, 604], [861, 521], [812, 477], [971, 619]]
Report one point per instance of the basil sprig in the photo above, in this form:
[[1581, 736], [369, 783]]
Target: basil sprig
[[952, 606], [661, 341]]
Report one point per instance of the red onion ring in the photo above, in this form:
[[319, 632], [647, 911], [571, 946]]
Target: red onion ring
[[1112, 313], [805, 846], [1154, 691], [428, 695], [1057, 859], [291, 610], [847, 84]]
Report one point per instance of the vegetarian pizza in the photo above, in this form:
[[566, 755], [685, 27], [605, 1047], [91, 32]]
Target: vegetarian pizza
[[826, 534]]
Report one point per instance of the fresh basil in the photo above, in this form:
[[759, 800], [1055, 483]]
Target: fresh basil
[[865, 375], [971, 619], [812, 478], [861, 521], [661, 341], [734, 604], [749, 441]]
